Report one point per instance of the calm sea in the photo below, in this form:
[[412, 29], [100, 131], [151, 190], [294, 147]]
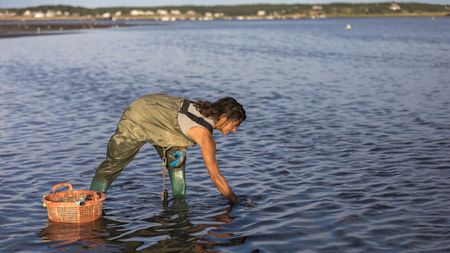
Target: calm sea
[[346, 147]]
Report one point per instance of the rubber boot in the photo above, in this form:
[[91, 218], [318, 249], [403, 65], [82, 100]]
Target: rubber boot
[[176, 158], [176, 165], [99, 185], [178, 182]]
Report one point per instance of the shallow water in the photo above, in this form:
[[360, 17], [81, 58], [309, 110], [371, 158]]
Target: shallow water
[[346, 147]]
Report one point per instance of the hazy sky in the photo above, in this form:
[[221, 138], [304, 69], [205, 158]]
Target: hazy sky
[[104, 3]]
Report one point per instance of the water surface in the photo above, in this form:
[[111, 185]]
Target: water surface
[[345, 148]]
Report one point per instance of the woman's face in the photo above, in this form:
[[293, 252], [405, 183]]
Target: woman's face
[[227, 126]]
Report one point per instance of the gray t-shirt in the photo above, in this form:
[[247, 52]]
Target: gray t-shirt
[[186, 123]]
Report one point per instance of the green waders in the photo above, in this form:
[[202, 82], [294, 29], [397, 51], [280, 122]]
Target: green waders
[[176, 162], [151, 118], [121, 151]]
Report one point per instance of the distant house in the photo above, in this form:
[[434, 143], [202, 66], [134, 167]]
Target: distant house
[[50, 14], [106, 15], [175, 12], [317, 8], [135, 12], [162, 12], [27, 13], [39, 15], [317, 12], [395, 7], [190, 13], [118, 14], [261, 13]]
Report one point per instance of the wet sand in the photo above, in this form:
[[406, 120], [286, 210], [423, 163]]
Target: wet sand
[[18, 28]]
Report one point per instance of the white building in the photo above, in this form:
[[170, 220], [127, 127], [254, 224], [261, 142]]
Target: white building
[[175, 12], [261, 13], [39, 15], [317, 8], [135, 12], [162, 12], [395, 7], [50, 14]]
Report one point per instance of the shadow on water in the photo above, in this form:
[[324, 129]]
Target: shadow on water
[[170, 231]]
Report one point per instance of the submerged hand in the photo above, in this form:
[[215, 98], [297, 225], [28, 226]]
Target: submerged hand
[[244, 201], [233, 200]]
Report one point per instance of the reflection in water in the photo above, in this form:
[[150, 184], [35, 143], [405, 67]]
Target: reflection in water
[[171, 231], [65, 234]]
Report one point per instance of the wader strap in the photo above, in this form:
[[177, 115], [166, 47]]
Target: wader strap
[[164, 194], [199, 120]]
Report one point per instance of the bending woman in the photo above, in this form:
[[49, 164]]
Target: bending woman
[[171, 124]]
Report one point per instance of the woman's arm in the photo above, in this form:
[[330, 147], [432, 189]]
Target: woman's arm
[[204, 139]]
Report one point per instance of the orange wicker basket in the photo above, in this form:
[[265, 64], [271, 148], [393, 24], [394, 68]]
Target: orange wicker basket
[[71, 206]]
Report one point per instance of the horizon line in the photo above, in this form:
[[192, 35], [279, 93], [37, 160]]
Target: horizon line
[[212, 5]]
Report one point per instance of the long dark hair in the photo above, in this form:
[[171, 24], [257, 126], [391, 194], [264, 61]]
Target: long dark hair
[[227, 106]]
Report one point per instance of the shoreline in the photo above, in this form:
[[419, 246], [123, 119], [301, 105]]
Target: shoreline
[[37, 27], [21, 27]]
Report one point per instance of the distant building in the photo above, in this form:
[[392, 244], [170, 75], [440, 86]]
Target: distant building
[[135, 12], [27, 13], [106, 15], [39, 15], [317, 12], [50, 14], [261, 13], [190, 13], [118, 14], [317, 8], [162, 12], [175, 12], [395, 7]]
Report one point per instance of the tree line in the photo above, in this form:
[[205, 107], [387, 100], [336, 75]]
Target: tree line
[[344, 9]]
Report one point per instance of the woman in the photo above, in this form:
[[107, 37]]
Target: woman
[[171, 124]]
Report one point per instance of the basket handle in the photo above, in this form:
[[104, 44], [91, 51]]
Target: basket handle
[[56, 186]]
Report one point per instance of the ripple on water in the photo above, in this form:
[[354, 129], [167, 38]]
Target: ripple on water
[[330, 159]]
